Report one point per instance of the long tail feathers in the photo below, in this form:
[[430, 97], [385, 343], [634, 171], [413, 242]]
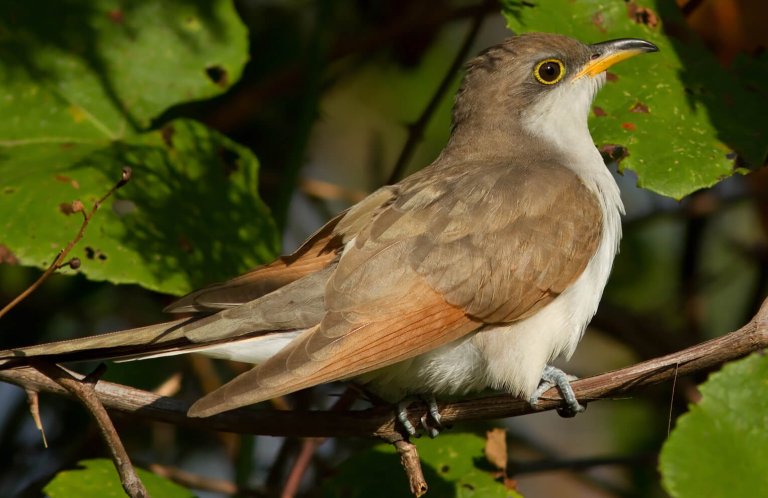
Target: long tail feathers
[[163, 339], [122, 344]]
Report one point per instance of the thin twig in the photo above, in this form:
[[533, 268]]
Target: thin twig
[[672, 402], [58, 262], [698, 217], [416, 129], [330, 191], [310, 445], [409, 457], [84, 390], [33, 399], [380, 421], [307, 451]]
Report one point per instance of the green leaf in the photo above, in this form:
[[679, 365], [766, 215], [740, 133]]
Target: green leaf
[[81, 85], [189, 216], [459, 459], [720, 447], [449, 462], [95, 71], [698, 113], [98, 479]]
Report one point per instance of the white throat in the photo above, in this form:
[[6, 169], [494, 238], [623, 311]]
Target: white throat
[[517, 353], [559, 118]]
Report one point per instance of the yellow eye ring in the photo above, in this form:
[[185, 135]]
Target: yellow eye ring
[[549, 71]]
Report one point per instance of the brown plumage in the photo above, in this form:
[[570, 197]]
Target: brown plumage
[[475, 251], [418, 274]]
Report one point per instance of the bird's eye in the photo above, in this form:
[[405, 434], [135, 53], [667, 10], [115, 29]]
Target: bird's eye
[[549, 71]]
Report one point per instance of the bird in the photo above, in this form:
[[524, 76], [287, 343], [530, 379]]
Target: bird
[[474, 273]]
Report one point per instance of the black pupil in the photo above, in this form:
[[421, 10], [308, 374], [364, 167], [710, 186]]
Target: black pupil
[[549, 71]]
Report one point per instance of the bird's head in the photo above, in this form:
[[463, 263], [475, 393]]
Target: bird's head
[[537, 81]]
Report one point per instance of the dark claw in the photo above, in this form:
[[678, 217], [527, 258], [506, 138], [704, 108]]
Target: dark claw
[[430, 421]]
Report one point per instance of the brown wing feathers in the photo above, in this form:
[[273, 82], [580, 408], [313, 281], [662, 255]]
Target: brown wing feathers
[[410, 268], [314, 255], [505, 265], [338, 349], [319, 251], [430, 266]]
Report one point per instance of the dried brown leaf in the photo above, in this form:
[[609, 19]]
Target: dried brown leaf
[[496, 448]]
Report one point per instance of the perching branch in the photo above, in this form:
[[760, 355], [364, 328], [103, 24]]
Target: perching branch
[[409, 458], [380, 422], [83, 389]]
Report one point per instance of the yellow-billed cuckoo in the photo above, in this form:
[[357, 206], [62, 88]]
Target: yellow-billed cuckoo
[[474, 273]]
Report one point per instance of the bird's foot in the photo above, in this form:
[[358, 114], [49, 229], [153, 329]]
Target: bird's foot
[[430, 421], [553, 376]]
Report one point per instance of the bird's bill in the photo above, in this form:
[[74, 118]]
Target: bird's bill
[[612, 52]]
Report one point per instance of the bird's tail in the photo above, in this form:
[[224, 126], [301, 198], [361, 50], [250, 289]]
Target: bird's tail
[[129, 343], [163, 339]]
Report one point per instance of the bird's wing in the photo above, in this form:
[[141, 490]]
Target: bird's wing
[[268, 303], [318, 252], [315, 254], [540, 228], [273, 318], [449, 252]]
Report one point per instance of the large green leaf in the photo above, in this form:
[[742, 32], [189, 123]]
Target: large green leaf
[[459, 459], [188, 217], [448, 462], [678, 113], [77, 70], [720, 447], [98, 479], [81, 85]]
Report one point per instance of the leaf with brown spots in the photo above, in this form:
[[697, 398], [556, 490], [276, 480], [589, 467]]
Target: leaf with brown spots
[[613, 152], [701, 111], [639, 107], [6, 256], [598, 20], [642, 15]]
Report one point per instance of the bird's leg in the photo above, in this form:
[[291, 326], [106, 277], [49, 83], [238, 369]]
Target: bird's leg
[[432, 427], [402, 415], [553, 376]]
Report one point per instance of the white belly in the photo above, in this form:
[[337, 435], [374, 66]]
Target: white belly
[[511, 357]]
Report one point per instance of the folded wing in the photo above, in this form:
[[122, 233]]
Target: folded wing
[[446, 255]]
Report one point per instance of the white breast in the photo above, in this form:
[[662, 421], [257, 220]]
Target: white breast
[[516, 354], [512, 357]]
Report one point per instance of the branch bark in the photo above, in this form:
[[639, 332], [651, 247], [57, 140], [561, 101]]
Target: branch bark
[[409, 458], [83, 389], [380, 421]]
